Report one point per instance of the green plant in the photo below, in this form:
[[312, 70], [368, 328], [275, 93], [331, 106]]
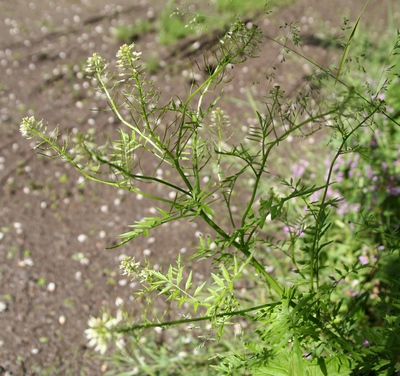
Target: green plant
[[152, 64], [314, 319], [173, 25], [129, 33]]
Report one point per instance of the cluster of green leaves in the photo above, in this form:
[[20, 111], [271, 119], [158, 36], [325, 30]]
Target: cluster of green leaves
[[314, 319]]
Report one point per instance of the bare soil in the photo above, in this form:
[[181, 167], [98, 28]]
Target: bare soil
[[54, 271]]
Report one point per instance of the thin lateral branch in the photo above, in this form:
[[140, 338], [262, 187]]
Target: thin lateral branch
[[242, 312]]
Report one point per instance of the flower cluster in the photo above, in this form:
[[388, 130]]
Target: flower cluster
[[129, 266], [100, 331], [127, 59], [96, 64], [30, 127]]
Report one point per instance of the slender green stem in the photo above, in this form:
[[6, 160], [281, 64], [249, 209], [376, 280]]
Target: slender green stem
[[328, 73], [242, 312], [321, 210], [114, 107], [265, 158], [143, 177], [260, 269]]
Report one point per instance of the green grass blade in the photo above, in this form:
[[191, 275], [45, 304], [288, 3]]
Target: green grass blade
[[347, 47]]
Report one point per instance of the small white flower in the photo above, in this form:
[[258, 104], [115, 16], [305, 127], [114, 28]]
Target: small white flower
[[95, 64], [126, 59], [100, 331], [129, 266], [29, 127]]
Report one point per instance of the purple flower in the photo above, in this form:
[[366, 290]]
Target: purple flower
[[292, 231], [394, 191]]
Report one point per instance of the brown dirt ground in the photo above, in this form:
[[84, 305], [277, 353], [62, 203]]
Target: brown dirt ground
[[48, 273]]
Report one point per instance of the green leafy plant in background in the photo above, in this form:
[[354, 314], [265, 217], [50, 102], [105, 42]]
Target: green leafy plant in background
[[130, 33], [327, 311], [179, 20]]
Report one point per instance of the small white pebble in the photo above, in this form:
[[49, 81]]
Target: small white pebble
[[84, 261], [171, 195], [26, 190], [51, 286], [3, 306], [183, 250], [182, 354], [78, 276], [102, 234], [17, 225], [29, 262], [139, 197], [151, 240], [123, 282], [35, 351], [122, 257], [147, 252], [62, 320], [186, 340], [118, 301], [43, 205], [269, 269], [81, 238], [117, 202]]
